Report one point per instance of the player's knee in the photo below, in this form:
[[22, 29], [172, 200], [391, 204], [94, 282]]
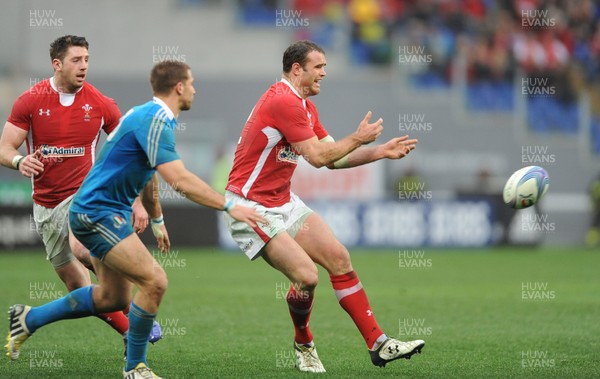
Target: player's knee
[[309, 280], [340, 261], [108, 299], [158, 285], [73, 276], [80, 253]]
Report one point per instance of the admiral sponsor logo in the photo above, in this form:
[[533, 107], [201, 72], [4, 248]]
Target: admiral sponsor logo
[[287, 154], [248, 245], [55, 151]]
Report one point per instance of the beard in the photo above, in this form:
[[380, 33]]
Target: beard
[[186, 105]]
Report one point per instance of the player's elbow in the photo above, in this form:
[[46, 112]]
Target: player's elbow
[[316, 161]]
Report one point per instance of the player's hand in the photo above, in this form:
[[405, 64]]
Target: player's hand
[[368, 133], [398, 147], [162, 237], [139, 216], [31, 164], [247, 215]]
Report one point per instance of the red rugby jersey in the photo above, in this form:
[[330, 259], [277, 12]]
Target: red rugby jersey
[[265, 159], [65, 128]]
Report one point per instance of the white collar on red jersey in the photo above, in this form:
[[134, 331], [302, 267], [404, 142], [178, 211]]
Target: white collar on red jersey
[[164, 106], [284, 80], [66, 99], [291, 87]]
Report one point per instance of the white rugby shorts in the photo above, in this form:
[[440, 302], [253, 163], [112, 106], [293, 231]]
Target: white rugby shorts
[[52, 224], [289, 218]]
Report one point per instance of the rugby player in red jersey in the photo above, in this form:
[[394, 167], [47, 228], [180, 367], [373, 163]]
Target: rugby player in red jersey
[[284, 125]]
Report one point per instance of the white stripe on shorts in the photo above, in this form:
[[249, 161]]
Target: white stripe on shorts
[[104, 232]]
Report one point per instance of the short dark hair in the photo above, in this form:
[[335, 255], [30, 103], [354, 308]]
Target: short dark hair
[[58, 48], [166, 74], [298, 53]]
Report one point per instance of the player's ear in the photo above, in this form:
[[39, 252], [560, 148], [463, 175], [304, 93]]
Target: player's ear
[[56, 64], [179, 88], [296, 68]]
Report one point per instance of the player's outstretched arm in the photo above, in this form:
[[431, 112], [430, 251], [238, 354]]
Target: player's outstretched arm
[[323, 154], [11, 139], [196, 190], [395, 148]]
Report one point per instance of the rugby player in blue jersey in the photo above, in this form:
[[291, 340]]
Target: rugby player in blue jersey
[[100, 216]]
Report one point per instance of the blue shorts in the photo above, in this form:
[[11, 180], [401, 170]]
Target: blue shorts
[[100, 232]]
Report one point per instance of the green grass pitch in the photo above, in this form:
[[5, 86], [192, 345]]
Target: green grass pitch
[[506, 313]]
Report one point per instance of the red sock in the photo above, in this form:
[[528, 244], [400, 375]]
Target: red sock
[[116, 320], [300, 305], [352, 297]]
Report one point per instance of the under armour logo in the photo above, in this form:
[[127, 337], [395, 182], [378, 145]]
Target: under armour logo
[[44, 112], [369, 312], [393, 349]]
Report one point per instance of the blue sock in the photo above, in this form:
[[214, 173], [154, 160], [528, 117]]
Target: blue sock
[[140, 325], [75, 304]]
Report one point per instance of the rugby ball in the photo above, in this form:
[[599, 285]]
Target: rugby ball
[[525, 187]]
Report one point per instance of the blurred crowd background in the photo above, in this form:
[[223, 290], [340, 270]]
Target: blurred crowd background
[[500, 41], [486, 86]]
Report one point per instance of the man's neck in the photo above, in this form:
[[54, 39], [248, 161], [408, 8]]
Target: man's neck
[[296, 85], [172, 102], [61, 87]]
